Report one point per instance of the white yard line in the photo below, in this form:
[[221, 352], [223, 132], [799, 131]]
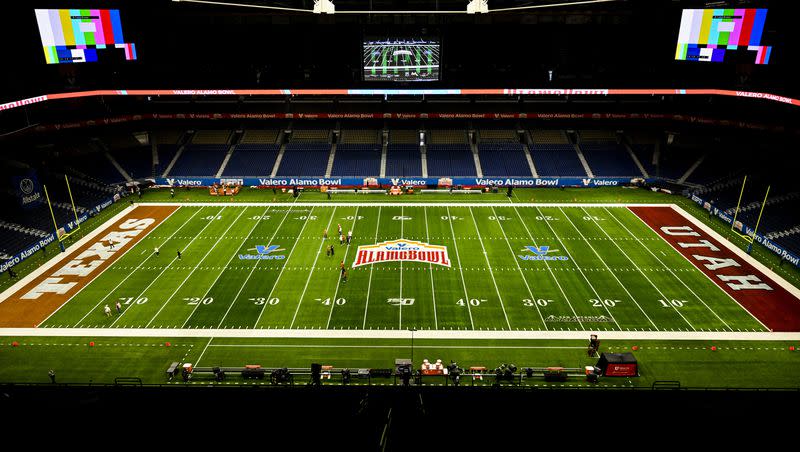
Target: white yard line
[[275, 284], [489, 265], [195, 269], [371, 267], [549, 269], [208, 344], [608, 268], [220, 272], [665, 265], [578, 267], [319, 251], [430, 270], [393, 334], [249, 275], [121, 282], [463, 284], [658, 289], [400, 316], [519, 267], [159, 274], [339, 281]]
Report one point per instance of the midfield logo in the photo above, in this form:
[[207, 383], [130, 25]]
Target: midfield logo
[[401, 250], [541, 254], [264, 253]]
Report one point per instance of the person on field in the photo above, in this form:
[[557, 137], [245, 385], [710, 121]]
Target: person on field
[[179, 254], [156, 250], [333, 250], [11, 273], [111, 244], [52, 374], [349, 236], [325, 234], [171, 192], [344, 275], [107, 311], [340, 229], [119, 307], [328, 251], [341, 239]]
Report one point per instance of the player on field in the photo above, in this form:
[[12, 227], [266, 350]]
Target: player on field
[[349, 236], [155, 250], [344, 275], [341, 239], [179, 254], [340, 229], [107, 311], [341, 267], [333, 250], [325, 233], [119, 307]]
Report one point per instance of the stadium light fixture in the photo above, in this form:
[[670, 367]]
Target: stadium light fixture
[[478, 7], [324, 7]]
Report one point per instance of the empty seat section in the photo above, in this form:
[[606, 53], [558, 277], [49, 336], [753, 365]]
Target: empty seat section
[[200, 160], [260, 136], [450, 160], [252, 159], [403, 160], [359, 136], [503, 159], [211, 137], [610, 159], [556, 160], [137, 161], [305, 159], [357, 160]]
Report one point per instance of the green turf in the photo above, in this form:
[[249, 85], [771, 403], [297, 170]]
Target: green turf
[[692, 363], [619, 274]]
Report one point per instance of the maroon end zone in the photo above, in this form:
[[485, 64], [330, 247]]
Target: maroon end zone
[[764, 298]]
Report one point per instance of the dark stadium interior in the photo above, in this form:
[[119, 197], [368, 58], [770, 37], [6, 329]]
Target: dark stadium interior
[[700, 145]]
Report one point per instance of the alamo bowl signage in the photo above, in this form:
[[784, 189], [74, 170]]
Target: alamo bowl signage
[[402, 250]]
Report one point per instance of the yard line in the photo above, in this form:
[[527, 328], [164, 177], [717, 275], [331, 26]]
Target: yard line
[[194, 269], [669, 269], [371, 267], [400, 317], [486, 256], [319, 251], [196, 363], [219, 273], [455, 246], [550, 270], [129, 274], [275, 284], [609, 269], [254, 268], [658, 289], [578, 267], [339, 281], [430, 271], [514, 257]]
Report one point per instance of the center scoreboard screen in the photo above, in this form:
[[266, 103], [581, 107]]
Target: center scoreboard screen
[[81, 35], [723, 35], [401, 60]]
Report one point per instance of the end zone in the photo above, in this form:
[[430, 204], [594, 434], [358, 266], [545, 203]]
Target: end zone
[[33, 299]]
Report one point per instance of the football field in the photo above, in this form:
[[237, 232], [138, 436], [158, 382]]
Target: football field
[[456, 266]]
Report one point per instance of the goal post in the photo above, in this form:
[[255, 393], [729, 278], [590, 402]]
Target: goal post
[[61, 233]]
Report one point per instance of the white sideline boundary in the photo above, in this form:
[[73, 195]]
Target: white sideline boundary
[[396, 334]]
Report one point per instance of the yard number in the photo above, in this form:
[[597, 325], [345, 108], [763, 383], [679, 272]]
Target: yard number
[[539, 301], [471, 301], [194, 301], [592, 217], [259, 301], [672, 303], [498, 218], [601, 303], [307, 217], [133, 300], [260, 217], [545, 218], [450, 217], [212, 217], [351, 217], [327, 301]]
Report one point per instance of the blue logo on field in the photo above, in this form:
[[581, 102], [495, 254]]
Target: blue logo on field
[[264, 253], [541, 253]]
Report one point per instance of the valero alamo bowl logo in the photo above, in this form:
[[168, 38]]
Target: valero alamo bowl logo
[[402, 250]]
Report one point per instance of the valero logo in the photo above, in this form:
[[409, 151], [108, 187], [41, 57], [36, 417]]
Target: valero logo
[[264, 253], [541, 253], [402, 250]]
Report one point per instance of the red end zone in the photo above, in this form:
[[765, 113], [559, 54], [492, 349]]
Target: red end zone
[[762, 296]]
